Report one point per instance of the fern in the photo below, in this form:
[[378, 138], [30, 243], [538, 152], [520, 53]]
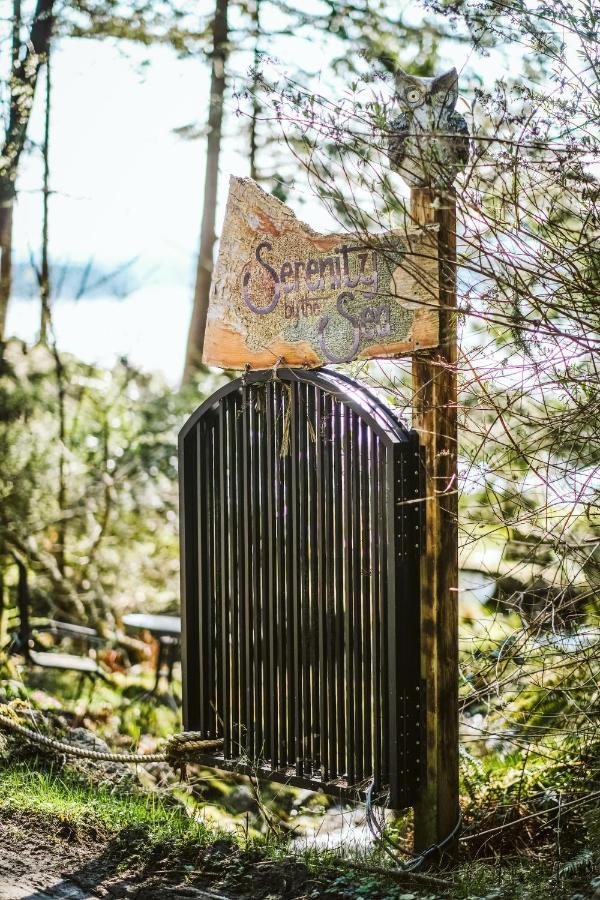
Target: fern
[[473, 764], [579, 863]]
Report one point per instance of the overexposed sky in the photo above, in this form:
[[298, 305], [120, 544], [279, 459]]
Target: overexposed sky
[[126, 187]]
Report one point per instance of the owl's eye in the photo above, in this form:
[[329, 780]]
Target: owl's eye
[[413, 96]]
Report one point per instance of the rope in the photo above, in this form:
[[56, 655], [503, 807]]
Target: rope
[[378, 832], [179, 748]]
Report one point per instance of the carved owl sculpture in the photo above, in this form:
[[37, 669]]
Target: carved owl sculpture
[[428, 144]]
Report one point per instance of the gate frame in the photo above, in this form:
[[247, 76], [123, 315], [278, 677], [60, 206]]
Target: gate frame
[[394, 434]]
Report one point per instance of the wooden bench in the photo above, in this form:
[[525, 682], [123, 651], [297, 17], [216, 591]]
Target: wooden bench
[[24, 637]]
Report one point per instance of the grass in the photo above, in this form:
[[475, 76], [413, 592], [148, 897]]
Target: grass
[[61, 796]]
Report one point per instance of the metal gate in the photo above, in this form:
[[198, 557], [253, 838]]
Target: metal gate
[[300, 549]]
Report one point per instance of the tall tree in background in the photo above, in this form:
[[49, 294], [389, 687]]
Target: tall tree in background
[[26, 59], [255, 101], [44, 271], [207, 231]]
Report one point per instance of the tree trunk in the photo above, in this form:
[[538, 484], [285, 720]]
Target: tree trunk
[[6, 210], [44, 277], [6, 217], [24, 74], [195, 343], [255, 104]]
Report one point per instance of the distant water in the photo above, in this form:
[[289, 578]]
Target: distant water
[[149, 327]]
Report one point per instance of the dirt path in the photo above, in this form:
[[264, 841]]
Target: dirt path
[[43, 858], [40, 861], [32, 877]]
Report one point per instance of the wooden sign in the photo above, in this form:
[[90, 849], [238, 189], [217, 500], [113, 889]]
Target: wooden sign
[[282, 293]]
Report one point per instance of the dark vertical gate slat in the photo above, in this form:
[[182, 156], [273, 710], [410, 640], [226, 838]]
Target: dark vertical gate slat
[[207, 641], [260, 584], [189, 580], [234, 569], [239, 570], [284, 592], [300, 579], [402, 661], [375, 605], [284, 581], [383, 605], [271, 686], [254, 651], [234, 598], [318, 543], [295, 656], [355, 537], [304, 637], [349, 645], [315, 667], [225, 623], [394, 585], [218, 577], [329, 611], [244, 544], [365, 562], [202, 566], [339, 590]]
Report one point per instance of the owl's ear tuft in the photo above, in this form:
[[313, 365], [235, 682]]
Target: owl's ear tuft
[[400, 78], [447, 84]]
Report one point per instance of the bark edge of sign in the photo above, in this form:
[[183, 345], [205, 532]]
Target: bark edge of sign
[[283, 293]]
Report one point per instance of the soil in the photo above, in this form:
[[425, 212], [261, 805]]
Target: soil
[[42, 859]]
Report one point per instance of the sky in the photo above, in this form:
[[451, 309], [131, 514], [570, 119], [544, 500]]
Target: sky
[[126, 189]]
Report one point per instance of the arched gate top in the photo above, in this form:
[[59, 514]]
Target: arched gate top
[[376, 414]]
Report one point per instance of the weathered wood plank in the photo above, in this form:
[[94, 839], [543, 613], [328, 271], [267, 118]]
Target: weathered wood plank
[[283, 293], [435, 417]]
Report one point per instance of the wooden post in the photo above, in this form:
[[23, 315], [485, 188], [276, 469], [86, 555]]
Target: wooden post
[[435, 418]]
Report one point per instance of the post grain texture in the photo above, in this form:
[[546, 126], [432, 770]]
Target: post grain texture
[[435, 418]]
